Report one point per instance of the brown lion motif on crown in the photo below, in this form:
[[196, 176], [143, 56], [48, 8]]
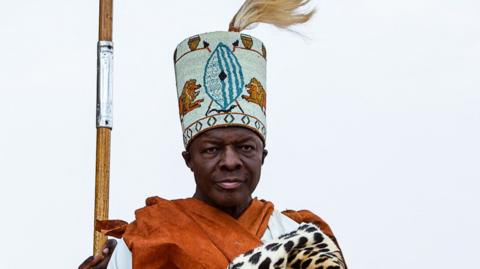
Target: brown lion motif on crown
[[186, 101], [257, 94]]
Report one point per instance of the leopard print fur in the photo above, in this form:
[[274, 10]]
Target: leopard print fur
[[305, 248]]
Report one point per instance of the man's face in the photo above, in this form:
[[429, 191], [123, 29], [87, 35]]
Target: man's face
[[226, 163]]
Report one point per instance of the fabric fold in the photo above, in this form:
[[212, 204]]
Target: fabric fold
[[115, 228], [189, 233]]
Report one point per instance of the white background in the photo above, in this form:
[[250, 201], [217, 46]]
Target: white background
[[373, 124]]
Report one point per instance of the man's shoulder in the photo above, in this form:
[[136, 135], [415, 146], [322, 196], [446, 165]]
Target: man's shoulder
[[308, 216]]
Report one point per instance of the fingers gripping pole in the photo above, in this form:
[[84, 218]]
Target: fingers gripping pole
[[104, 117]]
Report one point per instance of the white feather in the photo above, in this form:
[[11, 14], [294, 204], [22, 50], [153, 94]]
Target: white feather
[[281, 13]]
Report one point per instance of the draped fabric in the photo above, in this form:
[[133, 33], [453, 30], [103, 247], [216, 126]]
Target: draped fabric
[[188, 233]]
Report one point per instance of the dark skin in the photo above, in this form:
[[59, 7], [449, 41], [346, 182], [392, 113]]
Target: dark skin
[[100, 261], [226, 163]]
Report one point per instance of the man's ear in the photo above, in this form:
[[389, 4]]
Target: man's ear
[[264, 155], [188, 158]]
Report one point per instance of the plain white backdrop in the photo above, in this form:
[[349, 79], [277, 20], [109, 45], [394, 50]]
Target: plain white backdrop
[[373, 124]]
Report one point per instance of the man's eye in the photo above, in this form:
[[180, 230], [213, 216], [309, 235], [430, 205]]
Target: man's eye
[[210, 150], [247, 148]]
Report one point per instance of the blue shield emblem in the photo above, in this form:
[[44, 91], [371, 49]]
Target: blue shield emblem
[[223, 78]]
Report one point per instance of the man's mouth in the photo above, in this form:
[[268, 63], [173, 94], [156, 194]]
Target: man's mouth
[[229, 184]]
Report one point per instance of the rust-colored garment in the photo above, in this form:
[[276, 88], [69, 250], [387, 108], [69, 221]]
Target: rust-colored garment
[[188, 233]]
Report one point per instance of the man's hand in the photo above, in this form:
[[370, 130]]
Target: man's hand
[[100, 261]]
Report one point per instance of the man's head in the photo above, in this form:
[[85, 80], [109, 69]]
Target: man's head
[[224, 123], [226, 163]]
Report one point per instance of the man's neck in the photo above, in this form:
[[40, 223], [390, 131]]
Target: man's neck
[[234, 211]]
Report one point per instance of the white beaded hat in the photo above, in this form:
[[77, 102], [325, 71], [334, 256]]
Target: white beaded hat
[[221, 79], [221, 76]]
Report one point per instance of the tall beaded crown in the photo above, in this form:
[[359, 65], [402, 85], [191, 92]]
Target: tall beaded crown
[[221, 76]]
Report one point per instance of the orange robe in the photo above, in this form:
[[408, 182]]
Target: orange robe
[[188, 233]]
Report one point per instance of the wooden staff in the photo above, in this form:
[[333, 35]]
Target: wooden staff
[[104, 117]]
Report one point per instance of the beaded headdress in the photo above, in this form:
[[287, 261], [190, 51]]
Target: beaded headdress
[[221, 76]]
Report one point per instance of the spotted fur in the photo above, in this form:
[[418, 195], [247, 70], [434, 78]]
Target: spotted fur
[[305, 248]]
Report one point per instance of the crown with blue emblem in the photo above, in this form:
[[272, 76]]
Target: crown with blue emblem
[[221, 76], [221, 82]]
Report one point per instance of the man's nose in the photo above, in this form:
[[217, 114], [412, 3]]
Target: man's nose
[[230, 159]]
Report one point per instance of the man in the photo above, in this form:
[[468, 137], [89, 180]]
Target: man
[[222, 102], [226, 163]]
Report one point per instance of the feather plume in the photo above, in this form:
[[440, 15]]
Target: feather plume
[[281, 13]]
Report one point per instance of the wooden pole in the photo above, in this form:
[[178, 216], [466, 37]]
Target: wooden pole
[[105, 20], [102, 167]]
